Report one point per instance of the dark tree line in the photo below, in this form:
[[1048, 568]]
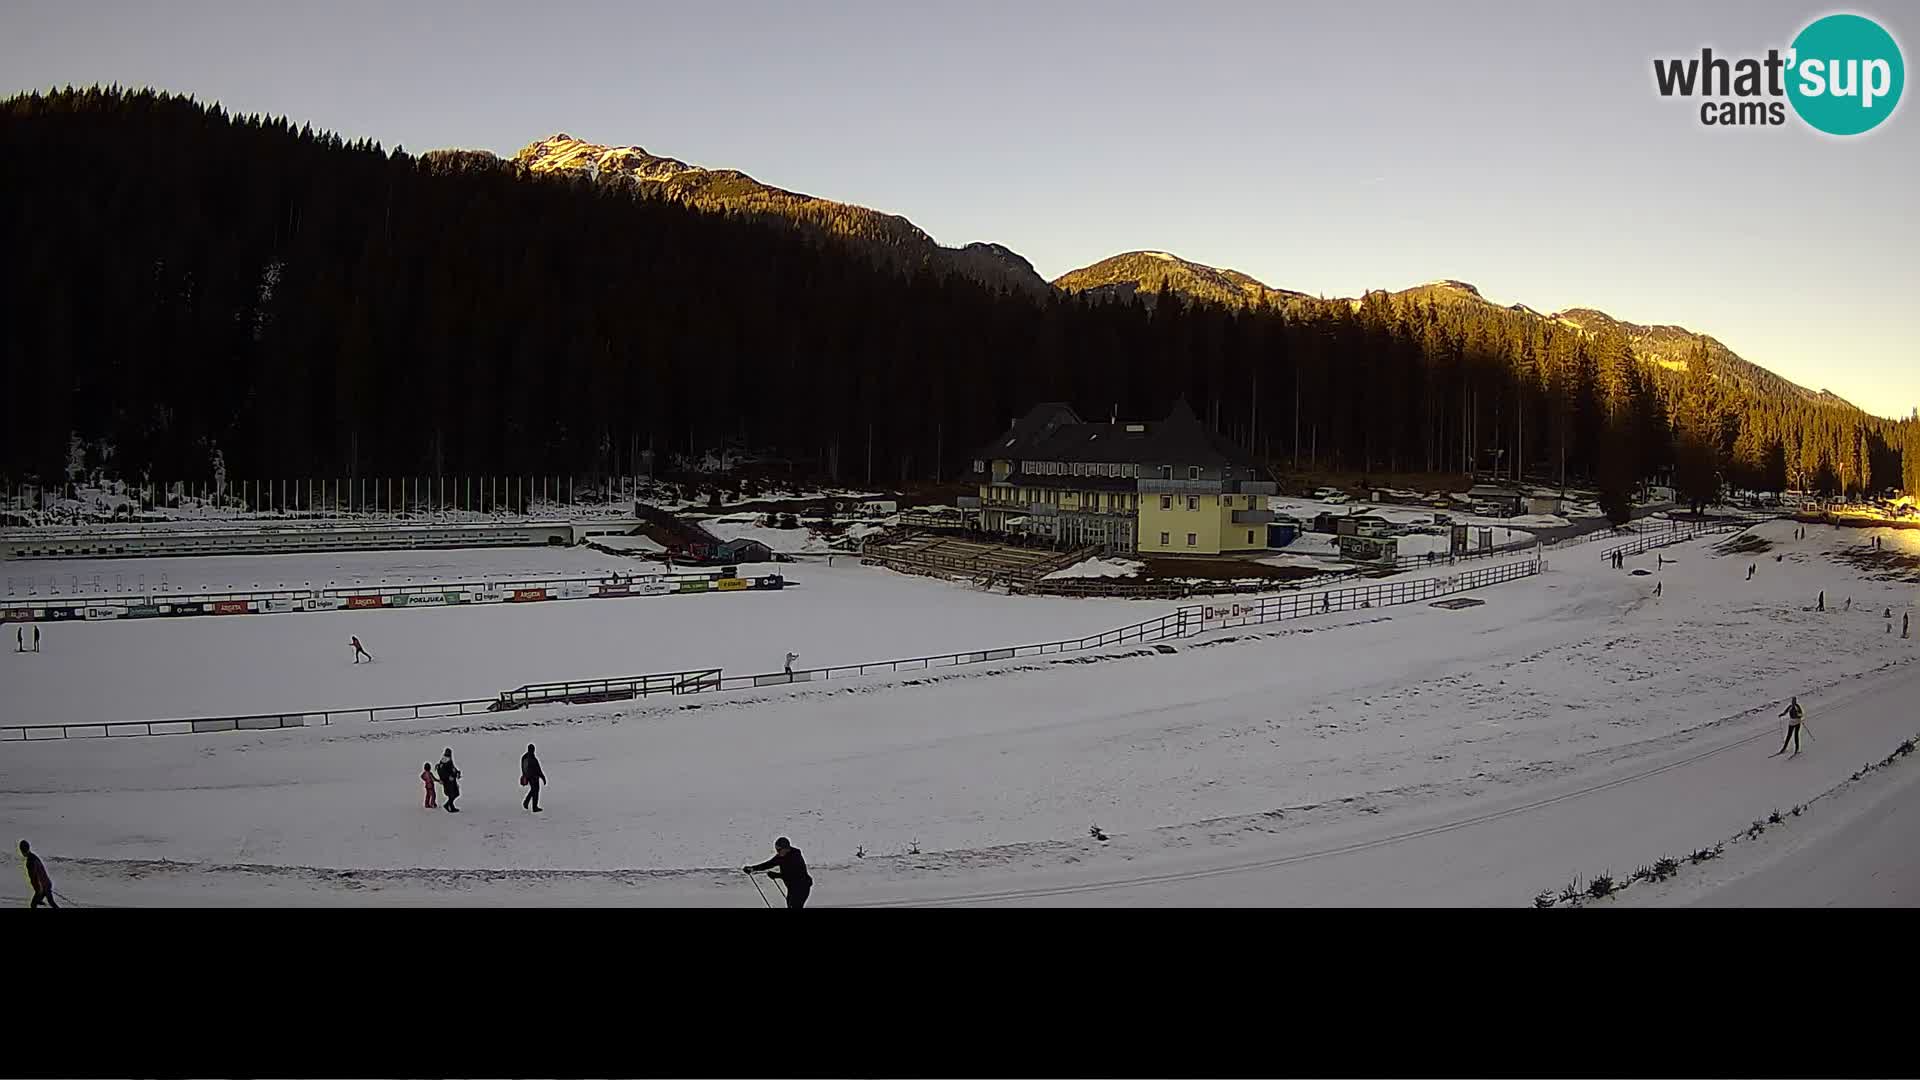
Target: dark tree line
[[183, 282]]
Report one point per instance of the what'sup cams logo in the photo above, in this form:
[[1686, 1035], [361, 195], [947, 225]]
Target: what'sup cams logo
[[1843, 75]]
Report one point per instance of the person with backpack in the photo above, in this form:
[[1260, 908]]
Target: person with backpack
[[449, 779], [37, 878], [787, 866], [1795, 715], [531, 777]]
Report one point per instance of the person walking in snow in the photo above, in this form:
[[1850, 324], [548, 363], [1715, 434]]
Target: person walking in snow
[[426, 777], [1822, 604], [1751, 567], [360, 651], [449, 779], [37, 878], [1904, 616], [19, 639], [1849, 606], [36, 639], [791, 657], [1658, 586], [787, 866], [1794, 714], [531, 777]]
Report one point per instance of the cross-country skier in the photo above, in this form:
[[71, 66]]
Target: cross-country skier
[[792, 869], [360, 651], [426, 777], [38, 880], [531, 777], [1794, 715], [449, 779], [1658, 586]]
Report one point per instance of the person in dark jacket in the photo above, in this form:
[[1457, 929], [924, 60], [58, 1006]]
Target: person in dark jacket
[[787, 866], [41, 884], [532, 776], [1795, 716], [449, 779]]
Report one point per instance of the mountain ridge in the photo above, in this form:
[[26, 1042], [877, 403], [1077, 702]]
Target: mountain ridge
[[892, 237], [1662, 345]]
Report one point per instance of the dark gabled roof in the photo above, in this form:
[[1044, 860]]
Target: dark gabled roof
[[1054, 432]]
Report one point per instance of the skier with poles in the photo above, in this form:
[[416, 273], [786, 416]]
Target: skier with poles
[[359, 650], [788, 868], [1795, 717], [531, 777], [37, 878], [449, 779]]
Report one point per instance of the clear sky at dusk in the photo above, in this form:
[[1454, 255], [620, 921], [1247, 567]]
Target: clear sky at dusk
[[1323, 147]]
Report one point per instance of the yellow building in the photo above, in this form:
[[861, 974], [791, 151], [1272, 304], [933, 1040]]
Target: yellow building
[[1129, 487]]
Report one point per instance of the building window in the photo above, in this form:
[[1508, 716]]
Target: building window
[[1193, 540], [1166, 472], [1249, 536], [1193, 502], [1166, 502], [1193, 472], [1226, 500], [1165, 541]]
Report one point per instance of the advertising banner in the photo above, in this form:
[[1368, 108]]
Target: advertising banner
[[653, 588], [426, 599], [279, 604], [730, 584], [97, 613], [143, 611], [326, 603], [699, 585], [521, 596], [572, 590], [366, 601], [230, 607]]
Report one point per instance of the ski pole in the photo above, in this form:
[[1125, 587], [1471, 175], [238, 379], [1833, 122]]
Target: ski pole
[[756, 888]]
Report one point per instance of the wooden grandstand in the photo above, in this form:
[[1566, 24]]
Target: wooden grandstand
[[983, 562]]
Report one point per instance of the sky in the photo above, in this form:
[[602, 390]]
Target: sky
[[1329, 148]]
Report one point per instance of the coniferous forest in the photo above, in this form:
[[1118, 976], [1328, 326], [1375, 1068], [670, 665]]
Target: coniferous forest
[[183, 283]]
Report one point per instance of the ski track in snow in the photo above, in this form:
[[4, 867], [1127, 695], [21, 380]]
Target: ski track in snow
[[1243, 736]]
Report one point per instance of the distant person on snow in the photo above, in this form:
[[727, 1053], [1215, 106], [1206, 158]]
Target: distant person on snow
[[1904, 616], [360, 651], [19, 639], [36, 639], [37, 878], [791, 657], [1849, 606], [426, 777], [791, 869], [449, 779], [1751, 567], [1822, 605], [1794, 715], [1658, 586], [531, 777]]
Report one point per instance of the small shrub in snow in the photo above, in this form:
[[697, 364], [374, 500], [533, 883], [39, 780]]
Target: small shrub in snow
[[1775, 818], [1572, 892], [1543, 899], [1756, 829], [1094, 831], [860, 852], [1704, 854], [913, 848], [1601, 887]]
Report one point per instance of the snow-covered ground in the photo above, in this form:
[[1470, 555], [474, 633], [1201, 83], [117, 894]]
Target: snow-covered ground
[[225, 573], [1572, 723], [800, 541], [846, 613], [1099, 568]]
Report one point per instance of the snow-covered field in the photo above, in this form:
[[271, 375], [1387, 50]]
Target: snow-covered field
[[224, 573], [1572, 723], [847, 613]]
